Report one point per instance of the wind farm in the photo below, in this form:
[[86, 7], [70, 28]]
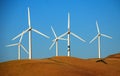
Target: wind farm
[[59, 38], [76, 24], [57, 62], [55, 41]]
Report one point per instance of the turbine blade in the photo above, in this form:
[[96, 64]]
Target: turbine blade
[[63, 35], [62, 39], [24, 48], [17, 36], [40, 33], [20, 34], [52, 45], [77, 36], [68, 21], [21, 38], [97, 27], [53, 32], [12, 45], [29, 24], [54, 39], [93, 39], [106, 36]]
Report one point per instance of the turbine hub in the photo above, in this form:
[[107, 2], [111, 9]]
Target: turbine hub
[[56, 39], [69, 32], [30, 28], [99, 34]]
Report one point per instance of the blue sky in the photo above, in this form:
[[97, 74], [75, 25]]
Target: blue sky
[[47, 13]]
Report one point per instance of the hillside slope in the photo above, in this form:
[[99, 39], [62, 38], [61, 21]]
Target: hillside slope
[[116, 56], [60, 66]]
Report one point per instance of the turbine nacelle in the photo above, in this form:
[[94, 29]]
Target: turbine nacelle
[[55, 39], [30, 28], [68, 32], [99, 34]]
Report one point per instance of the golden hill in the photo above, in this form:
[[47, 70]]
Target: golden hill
[[61, 66], [116, 56]]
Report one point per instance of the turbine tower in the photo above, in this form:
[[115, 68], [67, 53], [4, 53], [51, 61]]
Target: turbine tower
[[70, 33], [55, 41], [19, 47], [29, 30], [99, 36]]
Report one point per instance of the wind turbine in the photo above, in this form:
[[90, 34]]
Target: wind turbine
[[29, 30], [70, 33], [19, 47], [98, 36], [55, 41]]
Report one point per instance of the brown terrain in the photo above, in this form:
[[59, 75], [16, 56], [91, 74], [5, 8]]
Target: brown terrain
[[62, 66]]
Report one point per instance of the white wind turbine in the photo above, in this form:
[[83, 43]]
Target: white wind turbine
[[98, 36], [19, 47], [68, 33], [55, 41], [29, 30]]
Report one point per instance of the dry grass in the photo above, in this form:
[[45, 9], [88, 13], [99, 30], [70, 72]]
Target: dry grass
[[62, 66]]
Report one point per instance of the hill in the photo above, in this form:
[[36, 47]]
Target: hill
[[61, 66], [115, 56]]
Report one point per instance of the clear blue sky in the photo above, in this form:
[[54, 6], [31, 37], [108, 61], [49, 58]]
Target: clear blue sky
[[47, 13]]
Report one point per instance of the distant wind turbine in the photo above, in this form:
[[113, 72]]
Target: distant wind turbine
[[29, 30], [98, 36], [70, 33], [19, 45], [55, 41]]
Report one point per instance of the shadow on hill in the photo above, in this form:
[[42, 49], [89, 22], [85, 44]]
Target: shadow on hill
[[102, 60]]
